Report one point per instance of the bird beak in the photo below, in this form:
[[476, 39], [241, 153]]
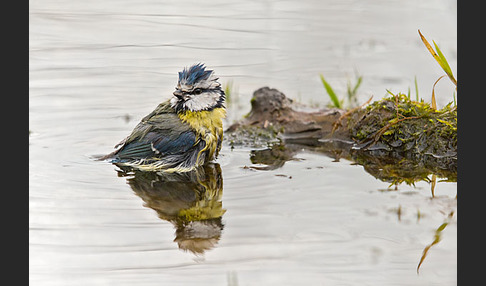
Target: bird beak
[[179, 94]]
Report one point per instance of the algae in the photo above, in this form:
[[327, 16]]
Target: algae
[[253, 136]]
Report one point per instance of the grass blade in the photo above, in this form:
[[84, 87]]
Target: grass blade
[[228, 90], [389, 92], [416, 90], [445, 65], [429, 47], [439, 57], [353, 92], [331, 92], [433, 103], [355, 89]]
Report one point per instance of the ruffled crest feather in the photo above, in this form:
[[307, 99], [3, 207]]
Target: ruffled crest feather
[[194, 74]]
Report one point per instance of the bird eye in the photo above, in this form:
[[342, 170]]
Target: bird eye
[[197, 91]]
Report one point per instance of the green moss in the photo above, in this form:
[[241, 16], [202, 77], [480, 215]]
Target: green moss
[[403, 125]]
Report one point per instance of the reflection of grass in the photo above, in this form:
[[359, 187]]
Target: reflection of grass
[[437, 238], [232, 279]]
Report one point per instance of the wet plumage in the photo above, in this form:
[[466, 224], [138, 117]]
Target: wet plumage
[[183, 132]]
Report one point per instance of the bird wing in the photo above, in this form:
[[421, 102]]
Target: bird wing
[[158, 134]]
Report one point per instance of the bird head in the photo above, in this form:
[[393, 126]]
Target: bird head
[[197, 89]]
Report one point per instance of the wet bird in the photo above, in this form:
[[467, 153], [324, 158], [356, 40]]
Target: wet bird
[[183, 132]]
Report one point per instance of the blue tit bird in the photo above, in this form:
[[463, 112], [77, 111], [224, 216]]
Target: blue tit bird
[[182, 133]]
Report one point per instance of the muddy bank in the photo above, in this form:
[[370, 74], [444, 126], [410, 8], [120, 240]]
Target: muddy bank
[[273, 116], [395, 139]]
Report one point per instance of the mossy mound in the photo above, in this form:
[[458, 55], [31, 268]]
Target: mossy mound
[[400, 124], [398, 127]]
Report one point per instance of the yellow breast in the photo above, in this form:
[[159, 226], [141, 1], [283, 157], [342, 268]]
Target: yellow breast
[[209, 127]]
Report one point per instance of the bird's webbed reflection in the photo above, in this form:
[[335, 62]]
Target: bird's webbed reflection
[[191, 201]]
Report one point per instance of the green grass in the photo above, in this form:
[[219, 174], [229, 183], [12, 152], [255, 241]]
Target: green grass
[[351, 96], [416, 89], [228, 89], [332, 95], [352, 89], [440, 58]]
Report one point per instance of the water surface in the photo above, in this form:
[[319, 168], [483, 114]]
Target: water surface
[[97, 67]]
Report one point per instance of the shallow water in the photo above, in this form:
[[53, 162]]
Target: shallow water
[[96, 68]]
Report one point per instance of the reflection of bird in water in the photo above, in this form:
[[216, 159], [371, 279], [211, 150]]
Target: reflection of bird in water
[[191, 201]]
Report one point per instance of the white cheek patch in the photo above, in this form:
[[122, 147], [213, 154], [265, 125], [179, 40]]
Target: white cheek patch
[[197, 102], [202, 101]]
